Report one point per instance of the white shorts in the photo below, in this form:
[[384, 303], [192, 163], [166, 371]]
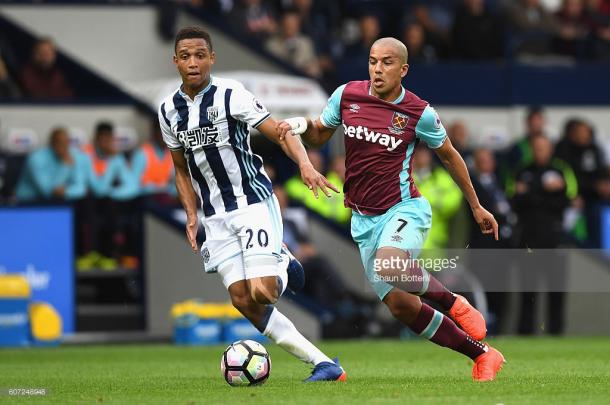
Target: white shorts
[[245, 243]]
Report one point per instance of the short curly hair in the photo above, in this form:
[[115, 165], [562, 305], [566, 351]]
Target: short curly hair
[[193, 32]]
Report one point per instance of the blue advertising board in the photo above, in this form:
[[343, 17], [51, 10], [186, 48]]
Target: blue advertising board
[[38, 243]]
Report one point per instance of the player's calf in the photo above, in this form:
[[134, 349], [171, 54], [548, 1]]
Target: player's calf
[[245, 304]]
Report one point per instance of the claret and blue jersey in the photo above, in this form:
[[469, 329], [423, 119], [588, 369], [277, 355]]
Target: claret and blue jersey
[[212, 129], [380, 138]]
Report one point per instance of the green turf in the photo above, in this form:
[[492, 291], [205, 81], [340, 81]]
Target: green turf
[[574, 370]]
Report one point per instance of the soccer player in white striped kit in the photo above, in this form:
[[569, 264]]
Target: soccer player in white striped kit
[[205, 125]]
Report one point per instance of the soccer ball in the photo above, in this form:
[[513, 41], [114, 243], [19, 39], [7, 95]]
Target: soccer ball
[[245, 362]]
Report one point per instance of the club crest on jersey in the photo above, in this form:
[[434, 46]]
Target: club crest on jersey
[[199, 137], [354, 108], [206, 255], [399, 123], [212, 113]]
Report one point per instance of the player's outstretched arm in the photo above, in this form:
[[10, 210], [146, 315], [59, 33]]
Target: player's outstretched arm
[[313, 132], [187, 196], [295, 150], [456, 166]]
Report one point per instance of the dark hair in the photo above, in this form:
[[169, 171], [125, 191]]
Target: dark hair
[[534, 110], [103, 127], [193, 32], [574, 123], [55, 133], [43, 40]]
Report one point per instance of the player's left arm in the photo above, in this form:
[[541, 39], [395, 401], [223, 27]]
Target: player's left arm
[[294, 149], [430, 129]]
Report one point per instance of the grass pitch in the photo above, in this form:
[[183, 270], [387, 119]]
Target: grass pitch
[[569, 370]]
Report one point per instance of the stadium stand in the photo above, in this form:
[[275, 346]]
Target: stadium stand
[[466, 57]]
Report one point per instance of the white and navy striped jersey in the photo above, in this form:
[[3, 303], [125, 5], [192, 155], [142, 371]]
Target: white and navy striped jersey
[[213, 131]]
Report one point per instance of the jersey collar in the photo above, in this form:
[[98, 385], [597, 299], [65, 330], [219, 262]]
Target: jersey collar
[[398, 99], [201, 93]]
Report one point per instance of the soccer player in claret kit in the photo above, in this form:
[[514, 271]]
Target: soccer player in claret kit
[[383, 123], [205, 125]]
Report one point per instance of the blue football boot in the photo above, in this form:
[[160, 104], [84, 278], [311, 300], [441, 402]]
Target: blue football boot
[[296, 274], [327, 371]]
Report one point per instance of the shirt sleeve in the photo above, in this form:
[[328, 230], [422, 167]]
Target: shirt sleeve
[[331, 115], [166, 131], [77, 185], [247, 108], [430, 128]]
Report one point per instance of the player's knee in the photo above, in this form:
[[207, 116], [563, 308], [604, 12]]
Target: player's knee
[[390, 261], [264, 290], [243, 303]]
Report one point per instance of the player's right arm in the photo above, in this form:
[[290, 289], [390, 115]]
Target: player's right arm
[[184, 186], [187, 196]]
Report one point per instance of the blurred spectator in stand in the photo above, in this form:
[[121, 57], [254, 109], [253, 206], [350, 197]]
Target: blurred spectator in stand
[[444, 196], [542, 192], [8, 87], [532, 27], [578, 148], [573, 31], [458, 134], [315, 23], [491, 194], [348, 306], [436, 18], [519, 154], [598, 15], [420, 51], [106, 234], [42, 79], [152, 165], [294, 47], [490, 271], [254, 19], [54, 173], [370, 30], [476, 33]]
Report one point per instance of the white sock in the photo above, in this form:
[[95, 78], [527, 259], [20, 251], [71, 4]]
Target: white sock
[[282, 273], [283, 332]]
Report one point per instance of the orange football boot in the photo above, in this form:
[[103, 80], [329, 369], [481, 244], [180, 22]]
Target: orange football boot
[[469, 319], [487, 365]]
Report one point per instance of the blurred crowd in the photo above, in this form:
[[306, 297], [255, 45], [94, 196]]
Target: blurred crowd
[[107, 188], [39, 78], [544, 194], [318, 36]]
